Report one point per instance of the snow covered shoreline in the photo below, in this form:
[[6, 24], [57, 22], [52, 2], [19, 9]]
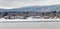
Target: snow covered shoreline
[[29, 19]]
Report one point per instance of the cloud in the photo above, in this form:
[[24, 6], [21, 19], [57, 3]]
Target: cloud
[[22, 3]]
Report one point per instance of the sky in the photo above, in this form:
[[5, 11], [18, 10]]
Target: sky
[[22, 3]]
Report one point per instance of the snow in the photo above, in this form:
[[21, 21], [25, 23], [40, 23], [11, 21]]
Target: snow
[[30, 19]]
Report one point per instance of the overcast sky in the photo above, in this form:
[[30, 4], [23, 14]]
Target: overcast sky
[[22, 3]]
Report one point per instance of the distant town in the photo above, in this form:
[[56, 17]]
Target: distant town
[[25, 15]]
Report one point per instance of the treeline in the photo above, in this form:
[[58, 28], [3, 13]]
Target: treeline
[[24, 15]]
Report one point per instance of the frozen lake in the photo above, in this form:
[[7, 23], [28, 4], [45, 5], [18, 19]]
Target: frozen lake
[[30, 25]]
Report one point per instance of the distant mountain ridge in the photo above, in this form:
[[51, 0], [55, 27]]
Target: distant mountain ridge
[[34, 9]]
